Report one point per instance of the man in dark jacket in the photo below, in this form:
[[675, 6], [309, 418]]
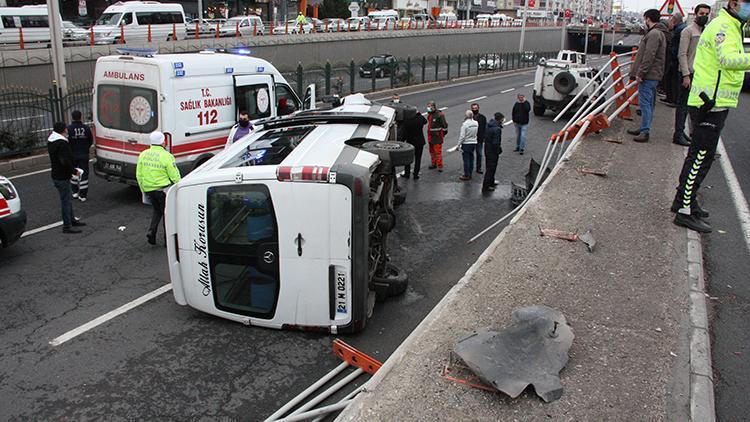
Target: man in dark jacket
[[61, 159], [492, 150], [648, 69], [482, 121], [412, 130], [671, 72], [520, 117], [81, 140]]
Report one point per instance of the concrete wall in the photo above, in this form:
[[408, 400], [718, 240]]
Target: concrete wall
[[33, 68]]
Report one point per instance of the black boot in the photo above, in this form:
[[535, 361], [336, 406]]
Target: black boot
[[681, 141], [695, 210], [692, 222]]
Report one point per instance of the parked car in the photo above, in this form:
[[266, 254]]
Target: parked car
[[383, 23], [490, 62], [12, 216], [528, 57], [204, 27], [73, 32], [292, 27], [357, 23], [245, 24], [406, 23], [381, 66], [336, 25], [318, 25], [288, 227]]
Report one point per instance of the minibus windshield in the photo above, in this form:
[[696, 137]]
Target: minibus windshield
[[271, 148], [109, 19]]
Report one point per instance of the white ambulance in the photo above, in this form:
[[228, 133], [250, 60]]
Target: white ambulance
[[194, 99]]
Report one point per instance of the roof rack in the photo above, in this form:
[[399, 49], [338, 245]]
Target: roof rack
[[319, 117]]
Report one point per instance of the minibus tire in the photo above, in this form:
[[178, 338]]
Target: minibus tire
[[539, 109], [397, 154], [395, 279], [399, 198]]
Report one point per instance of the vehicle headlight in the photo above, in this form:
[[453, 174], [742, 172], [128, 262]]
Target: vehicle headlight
[[7, 190]]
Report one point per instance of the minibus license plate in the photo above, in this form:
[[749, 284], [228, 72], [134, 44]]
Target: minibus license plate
[[113, 167], [341, 292]]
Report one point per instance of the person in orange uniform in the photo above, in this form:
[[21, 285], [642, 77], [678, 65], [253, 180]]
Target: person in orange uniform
[[437, 127]]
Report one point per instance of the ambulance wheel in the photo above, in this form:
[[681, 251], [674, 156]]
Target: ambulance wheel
[[397, 154], [393, 283]]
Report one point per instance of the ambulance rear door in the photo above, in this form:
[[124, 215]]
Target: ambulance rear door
[[253, 94], [128, 109]]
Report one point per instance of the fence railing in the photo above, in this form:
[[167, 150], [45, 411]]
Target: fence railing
[[27, 115]]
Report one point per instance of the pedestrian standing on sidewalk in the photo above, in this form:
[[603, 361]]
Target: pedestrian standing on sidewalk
[[61, 160], [720, 63], [437, 127], [482, 129], [492, 151], [467, 144], [520, 116], [672, 66], [80, 144], [156, 171], [686, 55], [413, 132], [648, 69]]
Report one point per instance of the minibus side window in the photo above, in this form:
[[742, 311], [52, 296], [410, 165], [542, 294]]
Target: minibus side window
[[9, 22], [34, 22], [283, 91], [127, 19]]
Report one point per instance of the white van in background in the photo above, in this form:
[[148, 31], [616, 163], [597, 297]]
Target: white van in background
[[132, 19], [446, 20], [32, 19], [193, 98]]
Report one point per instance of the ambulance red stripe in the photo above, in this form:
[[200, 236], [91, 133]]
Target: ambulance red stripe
[[126, 148]]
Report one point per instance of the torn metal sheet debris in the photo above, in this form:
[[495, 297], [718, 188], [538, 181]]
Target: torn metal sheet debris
[[588, 239], [612, 140], [595, 172], [531, 351]]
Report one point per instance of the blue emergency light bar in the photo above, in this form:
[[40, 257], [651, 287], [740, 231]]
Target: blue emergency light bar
[[137, 52]]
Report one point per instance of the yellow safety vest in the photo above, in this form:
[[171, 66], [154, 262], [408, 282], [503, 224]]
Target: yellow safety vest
[[156, 169]]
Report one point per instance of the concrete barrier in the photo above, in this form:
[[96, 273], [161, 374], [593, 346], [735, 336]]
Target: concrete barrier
[[20, 68]]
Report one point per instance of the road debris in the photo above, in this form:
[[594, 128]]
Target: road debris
[[121, 228], [531, 351], [595, 172], [612, 140], [587, 238]]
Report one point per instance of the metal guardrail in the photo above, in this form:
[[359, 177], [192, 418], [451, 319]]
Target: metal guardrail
[[590, 117]]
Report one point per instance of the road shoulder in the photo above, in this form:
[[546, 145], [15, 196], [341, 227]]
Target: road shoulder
[[639, 352]]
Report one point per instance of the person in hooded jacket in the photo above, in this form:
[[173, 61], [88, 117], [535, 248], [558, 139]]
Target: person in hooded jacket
[[412, 131], [80, 139], [482, 121], [242, 128], [61, 160], [492, 151], [648, 69]]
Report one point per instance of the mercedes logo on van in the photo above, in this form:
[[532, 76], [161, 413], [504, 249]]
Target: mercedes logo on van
[[269, 257]]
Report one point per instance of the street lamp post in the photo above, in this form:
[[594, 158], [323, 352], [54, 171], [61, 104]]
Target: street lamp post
[[58, 56], [523, 25]]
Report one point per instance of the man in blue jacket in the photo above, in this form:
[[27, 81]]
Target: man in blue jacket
[[81, 140], [492, 151]]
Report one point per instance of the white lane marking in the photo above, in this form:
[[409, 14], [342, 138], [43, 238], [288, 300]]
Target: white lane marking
[[41, 229], [508, 123], [529, 84], [476, 99], [109, 315], [442, 108], [740, 204], [451, 149], [29, 174], [507, 90]]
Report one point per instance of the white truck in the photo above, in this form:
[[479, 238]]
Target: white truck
[[557, 81], [194, 99]]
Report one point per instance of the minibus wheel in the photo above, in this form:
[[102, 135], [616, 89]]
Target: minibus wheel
[[396, 154], [393, 282]]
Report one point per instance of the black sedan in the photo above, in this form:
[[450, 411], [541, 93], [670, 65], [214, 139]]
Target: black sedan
[[380, 66]]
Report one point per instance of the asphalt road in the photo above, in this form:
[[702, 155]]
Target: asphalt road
[[161, 360], [727, 261]]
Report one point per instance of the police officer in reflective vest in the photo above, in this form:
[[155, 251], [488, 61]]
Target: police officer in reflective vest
[[720, 63], [156, 171]]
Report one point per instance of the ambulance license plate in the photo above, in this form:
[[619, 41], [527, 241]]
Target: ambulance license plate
[[117, 168]]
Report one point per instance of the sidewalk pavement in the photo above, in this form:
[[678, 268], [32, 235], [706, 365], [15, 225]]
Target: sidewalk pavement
[[641, 348]]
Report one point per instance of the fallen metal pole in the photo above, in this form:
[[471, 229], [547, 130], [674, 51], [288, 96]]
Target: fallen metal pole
[[325, 410], [319, 383], [325, 394], [347, 398]]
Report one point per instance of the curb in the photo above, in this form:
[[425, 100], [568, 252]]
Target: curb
[[701, 374], [24, 163]]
